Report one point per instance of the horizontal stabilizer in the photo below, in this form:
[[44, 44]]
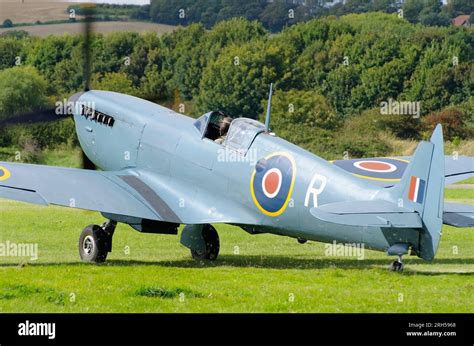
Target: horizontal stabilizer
[[458, 168], [458, 215], [368, 213]]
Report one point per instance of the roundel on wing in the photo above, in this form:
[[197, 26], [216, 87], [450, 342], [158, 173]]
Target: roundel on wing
[[375, 166], [272, 183], [381, 168]]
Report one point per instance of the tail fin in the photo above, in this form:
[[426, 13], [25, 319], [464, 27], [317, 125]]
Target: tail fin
[[422, 189]]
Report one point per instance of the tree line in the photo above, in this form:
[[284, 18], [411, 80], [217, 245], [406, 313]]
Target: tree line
[[331, 76], [275, 15]]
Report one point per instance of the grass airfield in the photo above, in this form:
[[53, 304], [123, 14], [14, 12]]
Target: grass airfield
[[262, 273]]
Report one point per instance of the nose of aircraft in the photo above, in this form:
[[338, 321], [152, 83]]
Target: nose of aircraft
[[73, 103], [74, 98]]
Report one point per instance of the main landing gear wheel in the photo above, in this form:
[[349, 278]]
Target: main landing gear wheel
[[397, 265], [211, 238], [95, 242]]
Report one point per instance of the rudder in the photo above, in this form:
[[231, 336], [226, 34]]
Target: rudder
[[422, 189]]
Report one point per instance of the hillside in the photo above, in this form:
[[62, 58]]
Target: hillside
[[100, 27], [30, 11]]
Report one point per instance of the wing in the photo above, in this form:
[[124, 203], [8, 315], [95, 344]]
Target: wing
[[386, 171], [75, 188], [185, 202], [127, 193]]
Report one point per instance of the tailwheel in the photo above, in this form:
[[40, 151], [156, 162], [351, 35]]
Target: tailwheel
[[211, 238], [397, 265], [95, 242]]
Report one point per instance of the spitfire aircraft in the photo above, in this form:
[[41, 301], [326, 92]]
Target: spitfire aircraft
[[160, 169]]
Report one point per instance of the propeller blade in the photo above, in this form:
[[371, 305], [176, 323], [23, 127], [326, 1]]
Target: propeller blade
[[52, 114], [86, 48], [87, 163], [40, 116], [86, 51]]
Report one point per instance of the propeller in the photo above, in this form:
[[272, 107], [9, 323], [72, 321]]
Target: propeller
[[57, 113], [86, 47], [86, 69], [39, 116]]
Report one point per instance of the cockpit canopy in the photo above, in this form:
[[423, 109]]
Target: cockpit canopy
[[241, 133]]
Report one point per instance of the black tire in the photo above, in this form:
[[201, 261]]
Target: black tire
[[396, 267], [93, 244], [211, 238]]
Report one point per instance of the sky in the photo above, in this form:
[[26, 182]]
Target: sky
[[136, 2], [118, 2]]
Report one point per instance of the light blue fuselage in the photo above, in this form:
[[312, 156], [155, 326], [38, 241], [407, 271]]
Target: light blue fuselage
[[160, 142]]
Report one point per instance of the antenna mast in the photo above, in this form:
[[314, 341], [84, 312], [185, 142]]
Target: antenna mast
[[269, 109]]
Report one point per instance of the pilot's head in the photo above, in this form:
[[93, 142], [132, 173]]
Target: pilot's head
[[224, 125]]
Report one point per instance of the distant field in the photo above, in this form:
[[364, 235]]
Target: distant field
[[32, 10], [102, 27]]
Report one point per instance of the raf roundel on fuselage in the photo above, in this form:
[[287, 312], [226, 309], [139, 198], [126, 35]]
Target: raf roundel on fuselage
[[272, 183]]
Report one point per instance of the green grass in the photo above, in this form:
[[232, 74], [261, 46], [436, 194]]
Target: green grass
[[63, 156], [158, 292], [467, 181], [460, 195], [154, 273]]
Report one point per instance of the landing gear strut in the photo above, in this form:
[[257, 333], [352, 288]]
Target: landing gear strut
[[95, 242], [398, 249], [397, 265], [202, 240]]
